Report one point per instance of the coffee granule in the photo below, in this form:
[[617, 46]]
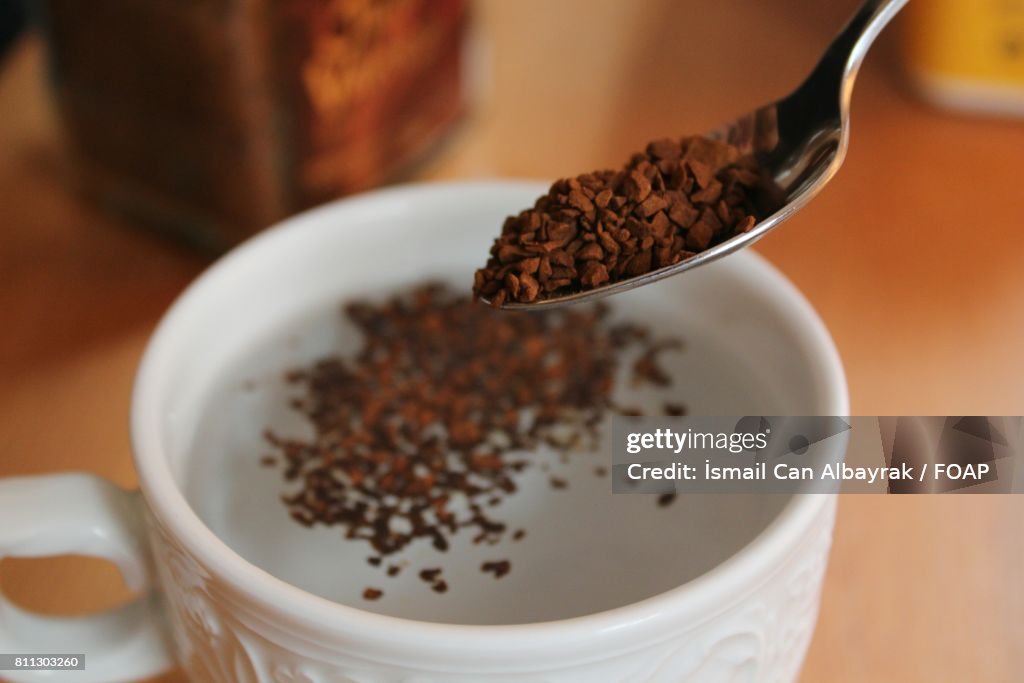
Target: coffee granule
[[646, 368], [499, 568], [435, 414], [430, 575], [372, 594], [433, 577], [669, 203], [675, 409], [666, 499]]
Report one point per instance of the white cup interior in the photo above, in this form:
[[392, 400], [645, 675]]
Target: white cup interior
[[753, 346]]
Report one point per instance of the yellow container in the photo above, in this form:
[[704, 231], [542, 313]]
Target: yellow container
[[968, 54]]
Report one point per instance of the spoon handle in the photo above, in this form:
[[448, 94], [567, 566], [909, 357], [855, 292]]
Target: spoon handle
[[856, 39], [844, 56], [838, 68]]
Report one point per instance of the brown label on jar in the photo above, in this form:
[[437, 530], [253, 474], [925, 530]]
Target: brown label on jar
[[371, 85]]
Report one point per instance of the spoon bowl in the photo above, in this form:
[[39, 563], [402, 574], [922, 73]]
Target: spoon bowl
[[800, 140]]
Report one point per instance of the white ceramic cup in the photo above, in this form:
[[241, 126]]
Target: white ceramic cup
[[206, 608]]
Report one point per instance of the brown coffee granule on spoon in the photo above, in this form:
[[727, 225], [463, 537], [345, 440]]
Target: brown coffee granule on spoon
[[670, 202]]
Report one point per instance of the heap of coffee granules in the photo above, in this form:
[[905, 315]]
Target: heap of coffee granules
[[674, 200], [420, 433]]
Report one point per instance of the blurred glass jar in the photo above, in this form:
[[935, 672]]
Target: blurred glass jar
[[968, 54], [214, 119]]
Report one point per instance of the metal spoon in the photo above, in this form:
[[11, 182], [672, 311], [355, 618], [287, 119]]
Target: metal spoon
[[801, 140]]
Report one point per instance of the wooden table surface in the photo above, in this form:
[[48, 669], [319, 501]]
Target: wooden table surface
[[912, 257]]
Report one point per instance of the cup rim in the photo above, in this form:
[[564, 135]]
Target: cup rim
[[298, 607]]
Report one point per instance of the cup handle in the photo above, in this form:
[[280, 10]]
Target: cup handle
[[82, 514]]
